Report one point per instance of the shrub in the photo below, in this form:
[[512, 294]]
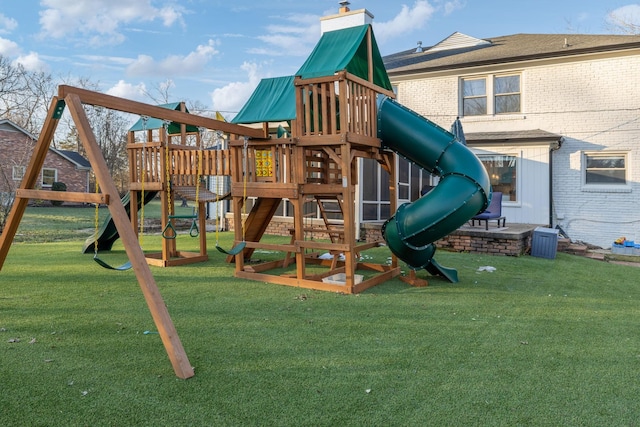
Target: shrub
[[58, 186]]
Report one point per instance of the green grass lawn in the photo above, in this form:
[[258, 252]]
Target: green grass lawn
[[536, 342]]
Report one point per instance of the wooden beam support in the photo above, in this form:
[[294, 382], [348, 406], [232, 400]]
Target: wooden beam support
[[142, 109], [63, 196], [157, 307], [31, 176]]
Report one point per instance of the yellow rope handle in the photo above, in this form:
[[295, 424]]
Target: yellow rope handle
[[143, 171], [96, 220], [167, 168], [244, 187], [199, 174], [219, 189]]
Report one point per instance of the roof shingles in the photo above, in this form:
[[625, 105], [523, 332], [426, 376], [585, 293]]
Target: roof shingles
[[504, 49]]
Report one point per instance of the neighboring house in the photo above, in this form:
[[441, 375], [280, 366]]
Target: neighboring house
[[16, 148], [555, 119]]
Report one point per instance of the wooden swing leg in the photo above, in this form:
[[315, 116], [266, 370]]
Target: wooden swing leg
[[413, 280], [156, 304]]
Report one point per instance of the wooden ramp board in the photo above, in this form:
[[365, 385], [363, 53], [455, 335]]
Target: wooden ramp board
[[257, 222]]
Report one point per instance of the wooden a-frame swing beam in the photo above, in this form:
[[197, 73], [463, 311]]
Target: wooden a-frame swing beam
[[157, 307], [128, 106]]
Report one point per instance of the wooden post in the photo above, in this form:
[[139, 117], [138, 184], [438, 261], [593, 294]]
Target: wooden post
[[163, 322], [238, 201], [349, 216], [30, 176], [413, 280]]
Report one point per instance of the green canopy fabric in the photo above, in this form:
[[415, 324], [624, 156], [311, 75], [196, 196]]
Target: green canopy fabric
[[153, 123], [345, 49], [273, 100]]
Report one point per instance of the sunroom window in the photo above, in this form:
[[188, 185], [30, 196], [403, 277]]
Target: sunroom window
[[503, 174]]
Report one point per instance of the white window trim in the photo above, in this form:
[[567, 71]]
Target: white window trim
[[605, 188], [15, 176], [493, 78], [55, 178], [519, 159]]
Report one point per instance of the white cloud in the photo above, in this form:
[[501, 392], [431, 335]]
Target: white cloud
[[234, 95], [452, 6], [409, 19], [295, 39], [629, 14], [32, 62], [170, 15], [116, 60], [7, 24], [173, 65], [8, 48], [101, 19], [126, 90]]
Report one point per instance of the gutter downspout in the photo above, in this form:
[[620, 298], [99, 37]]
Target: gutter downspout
[[552, 148]]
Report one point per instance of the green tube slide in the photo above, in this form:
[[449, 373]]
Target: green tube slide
[[107, 234], [464, 189]]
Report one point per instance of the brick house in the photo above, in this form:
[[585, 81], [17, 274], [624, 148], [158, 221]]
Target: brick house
[[16, 147], [555, 119]]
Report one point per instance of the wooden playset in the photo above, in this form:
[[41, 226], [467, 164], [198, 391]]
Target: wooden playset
[[339, 108]]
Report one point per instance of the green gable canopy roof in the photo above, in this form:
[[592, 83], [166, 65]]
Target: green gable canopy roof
[[153, 123], [274, 100], [345, 50]]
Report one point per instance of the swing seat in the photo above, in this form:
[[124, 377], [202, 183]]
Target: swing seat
[[233, 251], [126, 266]]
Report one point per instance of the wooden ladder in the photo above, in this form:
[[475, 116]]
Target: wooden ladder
[[332, 214]]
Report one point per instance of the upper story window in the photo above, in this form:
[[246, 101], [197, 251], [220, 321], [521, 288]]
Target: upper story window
[[49, 176], [504, 91], [474, 97], [605, 168], [507, 94]]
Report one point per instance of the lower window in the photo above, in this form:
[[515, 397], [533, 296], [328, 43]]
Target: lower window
[[605, 168], [49, 176]]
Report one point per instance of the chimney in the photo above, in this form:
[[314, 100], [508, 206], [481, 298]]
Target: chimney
[[345, 18]]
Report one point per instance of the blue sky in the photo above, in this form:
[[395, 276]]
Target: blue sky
[[215, 52]]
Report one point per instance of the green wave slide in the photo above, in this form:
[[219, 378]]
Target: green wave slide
[[464, 189], [108, 233]]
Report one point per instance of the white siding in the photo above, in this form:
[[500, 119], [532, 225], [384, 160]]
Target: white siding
[[532, 204], [595, 105]]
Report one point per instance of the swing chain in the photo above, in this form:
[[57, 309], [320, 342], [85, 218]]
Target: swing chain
[[169, 232], [96, 220], [143, 172], [244, 187]]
